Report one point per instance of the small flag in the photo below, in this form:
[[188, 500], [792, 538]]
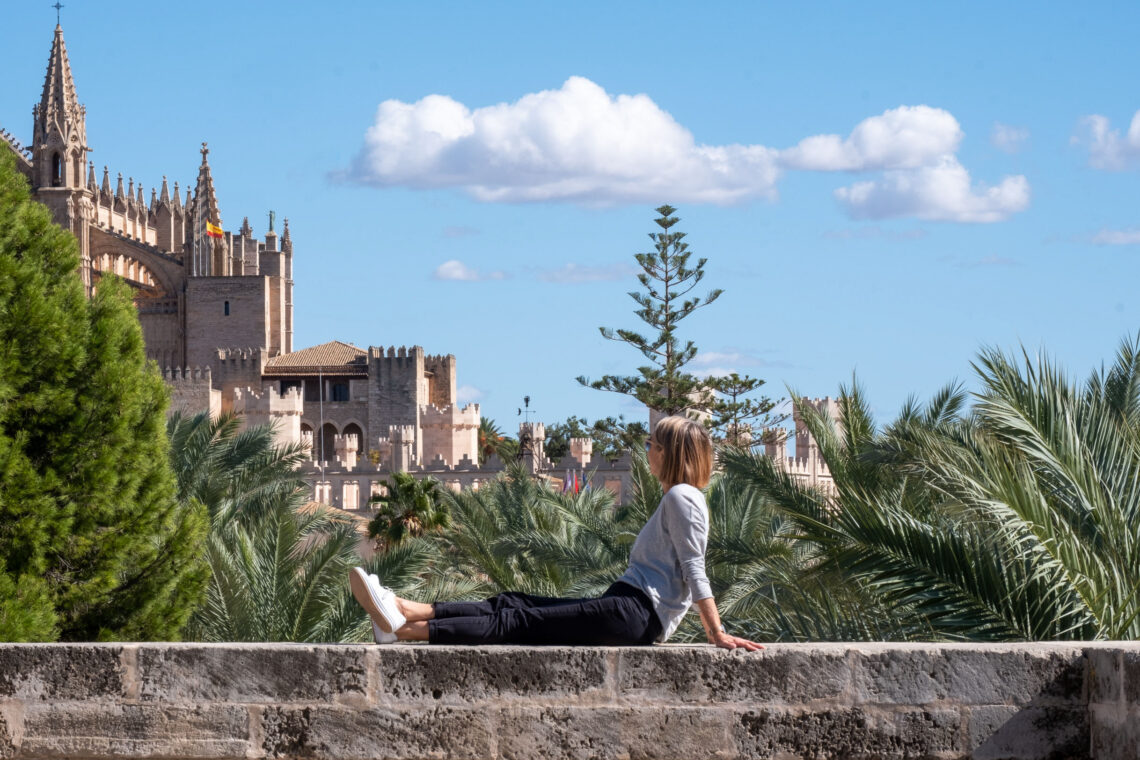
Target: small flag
[[213, 230], [575, 481], [566, 482]]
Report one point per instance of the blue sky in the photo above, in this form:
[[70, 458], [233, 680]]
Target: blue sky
[[880, 188]]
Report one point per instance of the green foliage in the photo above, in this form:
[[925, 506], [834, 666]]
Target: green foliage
[[278, 567], [1017, 520], [738, 420], [493, 441], [410, 508], [667, 279], [612, 437], [93, 542]]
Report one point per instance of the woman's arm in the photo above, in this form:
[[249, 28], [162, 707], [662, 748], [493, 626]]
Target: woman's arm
[[710, 619]]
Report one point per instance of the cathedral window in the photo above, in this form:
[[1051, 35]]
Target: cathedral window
[[56, 170], [227, 308]]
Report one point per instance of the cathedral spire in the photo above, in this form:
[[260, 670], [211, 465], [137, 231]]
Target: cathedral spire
[[209, 255], [59, 132], [91, 177], [58, 102], [164, 195]]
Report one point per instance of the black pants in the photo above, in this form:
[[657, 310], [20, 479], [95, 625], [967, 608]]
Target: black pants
[[622, 616]]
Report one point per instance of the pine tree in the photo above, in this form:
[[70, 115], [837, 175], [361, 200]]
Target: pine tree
[[663, 384], [736, 417], [93, 541]]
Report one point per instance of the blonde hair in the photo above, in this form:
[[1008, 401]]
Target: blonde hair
[[688, 456]]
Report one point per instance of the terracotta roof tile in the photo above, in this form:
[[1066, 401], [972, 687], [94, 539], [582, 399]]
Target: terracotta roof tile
[[332, 355]]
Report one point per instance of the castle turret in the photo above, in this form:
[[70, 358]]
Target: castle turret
[[532, 443]]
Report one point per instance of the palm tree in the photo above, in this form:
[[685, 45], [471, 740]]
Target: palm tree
[[493, 441], [1017, 520], [411, 508], [278, 565]]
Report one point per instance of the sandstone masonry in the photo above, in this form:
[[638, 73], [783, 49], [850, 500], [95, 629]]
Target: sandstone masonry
[[355, 702]]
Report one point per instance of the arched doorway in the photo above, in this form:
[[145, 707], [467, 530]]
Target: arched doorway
[[353, 429]]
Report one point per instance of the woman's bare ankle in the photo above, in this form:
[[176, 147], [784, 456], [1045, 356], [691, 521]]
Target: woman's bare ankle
[[415, 611]]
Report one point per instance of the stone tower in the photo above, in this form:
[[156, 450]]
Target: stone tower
[[59, 153]]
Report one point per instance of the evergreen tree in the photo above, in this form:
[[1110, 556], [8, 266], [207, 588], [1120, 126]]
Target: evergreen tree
[[735, 416], [93, 542], [663, 384]]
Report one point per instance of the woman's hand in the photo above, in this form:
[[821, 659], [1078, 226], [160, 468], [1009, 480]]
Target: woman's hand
[[728, 641]]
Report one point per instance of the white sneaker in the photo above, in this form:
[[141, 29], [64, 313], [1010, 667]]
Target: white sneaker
[[379, 602], [382, 638]]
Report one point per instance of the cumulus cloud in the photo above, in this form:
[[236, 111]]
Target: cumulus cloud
[[458, 271], [942, 192], [576, 143], [581, 144], [579, 273], [1008, 139], [902, 138], [1117, 237], [1108, 148]]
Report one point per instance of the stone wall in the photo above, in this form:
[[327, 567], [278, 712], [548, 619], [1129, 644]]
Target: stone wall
[[417, 701]]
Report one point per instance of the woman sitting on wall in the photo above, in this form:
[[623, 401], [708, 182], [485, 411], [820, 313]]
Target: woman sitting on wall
[[666, 575]]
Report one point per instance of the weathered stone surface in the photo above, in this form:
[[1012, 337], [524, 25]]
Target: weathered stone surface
[[848, 733], [60, 671], [1104, 675], [339, 733], [251, 673], [1006, 732], [791, 674], [671, 733], [968, 675], [1115, 732], [462, 675], [563, 732], [7, 736], [68, 730], [1130, 675]]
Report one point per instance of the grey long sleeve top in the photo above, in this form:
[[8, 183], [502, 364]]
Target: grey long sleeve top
[[668, 558]]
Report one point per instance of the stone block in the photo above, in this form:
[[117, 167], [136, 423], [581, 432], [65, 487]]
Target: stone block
[[669, 733], [63, 730], [1019, 675], [464, 675], [780, 675], [896, 678], [252, 673], [68, 671], [848, 733], [1130, 672], [1115, 732], [338, 733], [1104, 675], [563, 732], [969, 675], [1007, 732], [7, 733]]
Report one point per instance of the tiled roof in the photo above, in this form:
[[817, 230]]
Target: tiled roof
[[332, 357]]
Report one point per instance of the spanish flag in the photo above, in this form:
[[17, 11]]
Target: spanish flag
[[213, 230]]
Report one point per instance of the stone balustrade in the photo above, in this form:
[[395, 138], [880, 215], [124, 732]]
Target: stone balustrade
[[353, 702]]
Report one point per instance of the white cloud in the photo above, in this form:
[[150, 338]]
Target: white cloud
[[1008, 139], [579, 273], [721, 363], [465, 394], [1117, 237], [942, 192], [1108, 149], [906, 137], [581, 144], [458, 271], [577, 143]]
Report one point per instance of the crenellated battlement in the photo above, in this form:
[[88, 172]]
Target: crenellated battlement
[[180, 375], [449, 416]]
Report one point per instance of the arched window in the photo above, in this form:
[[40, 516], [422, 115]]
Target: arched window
[[327, 434], [56, 170]]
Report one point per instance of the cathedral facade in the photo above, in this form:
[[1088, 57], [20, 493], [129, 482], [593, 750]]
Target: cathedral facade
[[216, 307]]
